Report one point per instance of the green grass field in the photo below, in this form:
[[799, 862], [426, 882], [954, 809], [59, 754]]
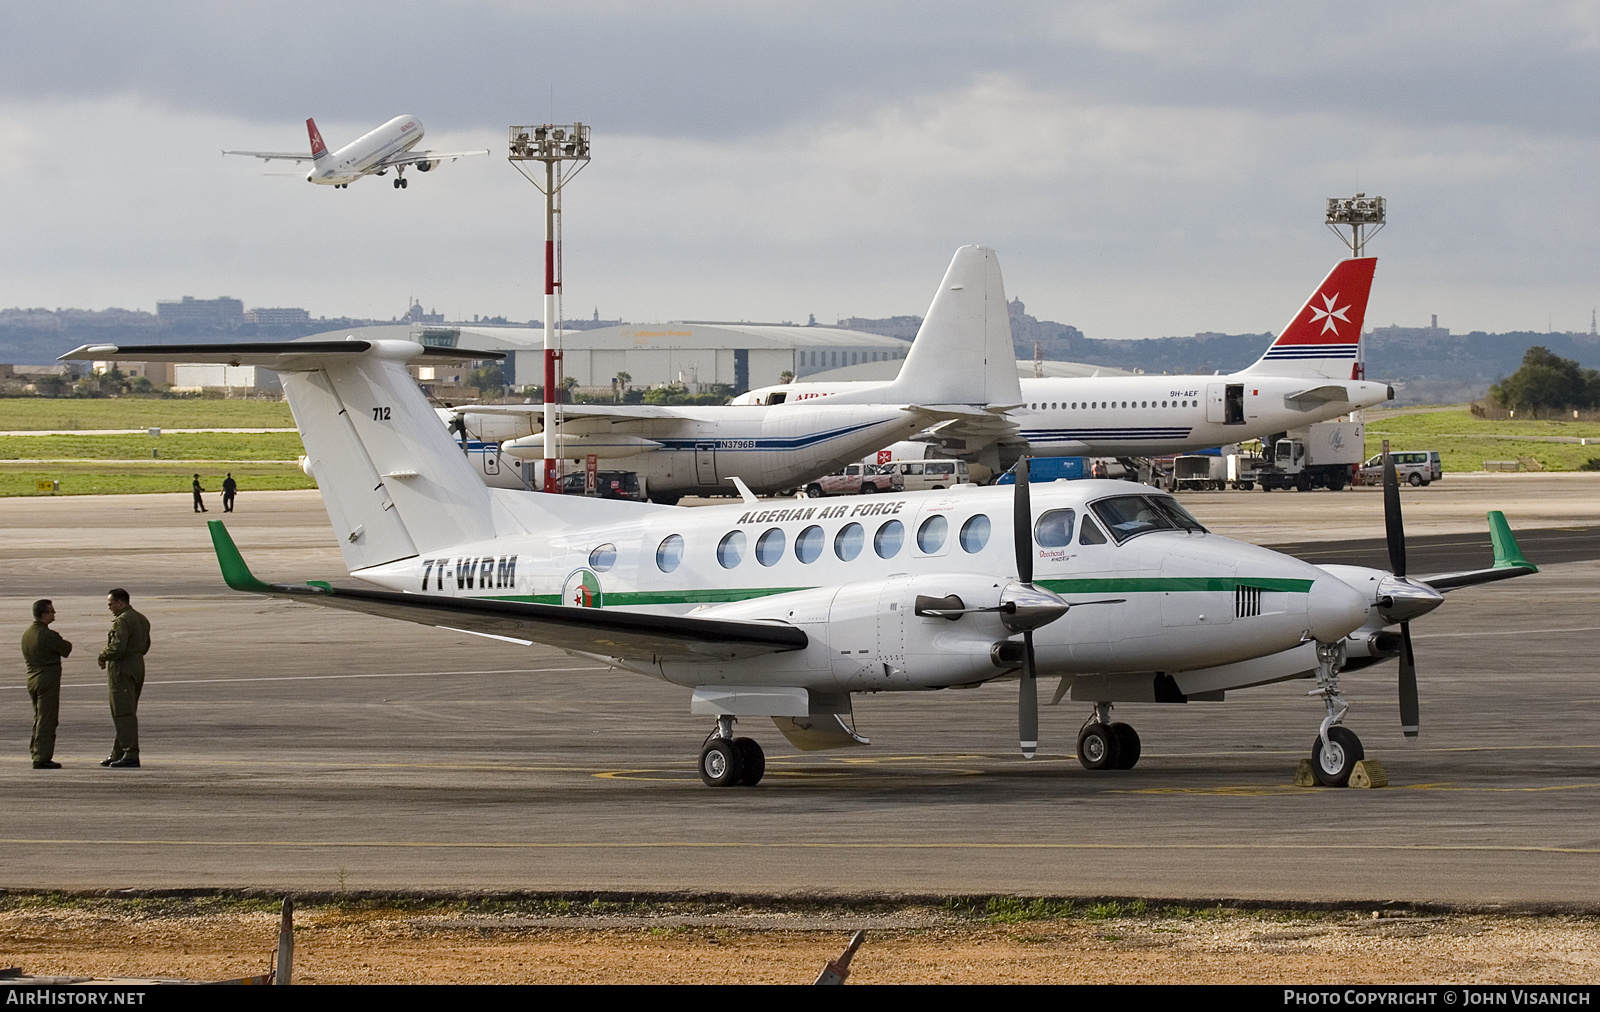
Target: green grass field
[[18, 413], [172, 446], [1465, 442], [100, 478]]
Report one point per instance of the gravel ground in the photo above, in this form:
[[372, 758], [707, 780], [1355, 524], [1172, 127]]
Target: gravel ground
[[443, 943]]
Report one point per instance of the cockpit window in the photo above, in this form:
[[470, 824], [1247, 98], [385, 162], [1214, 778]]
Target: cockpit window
[[1089, 533], [1181, 518], [1128, 515]]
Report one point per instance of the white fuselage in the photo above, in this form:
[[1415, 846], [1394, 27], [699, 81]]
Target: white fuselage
[[358, 158], [1146, 415], [696, 450], [849, 574]]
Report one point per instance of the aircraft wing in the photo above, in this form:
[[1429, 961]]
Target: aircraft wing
[[412, 157], [588, 412], [602, 631], [1508, 561], [271, 354], [269, 156]]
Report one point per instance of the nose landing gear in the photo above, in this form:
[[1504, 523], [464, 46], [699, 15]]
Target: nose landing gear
[[1337, 749]]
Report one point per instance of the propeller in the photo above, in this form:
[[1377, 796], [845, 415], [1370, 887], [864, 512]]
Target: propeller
[[1028, 684], [1394, 527]]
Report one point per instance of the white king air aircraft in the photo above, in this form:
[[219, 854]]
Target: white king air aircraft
[[373, 154], [1309, 374], [786, 609]]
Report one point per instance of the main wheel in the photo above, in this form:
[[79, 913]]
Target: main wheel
[[1099, 748], [396, 184], [404, 183], [1333, 762], [1128, 746], [753, 759], [721, 763], [814, 491], [1414, 480]]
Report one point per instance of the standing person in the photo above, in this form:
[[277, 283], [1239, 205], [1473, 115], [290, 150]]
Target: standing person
[[229, 489], [42, 649], [199, 504], [123, 661]]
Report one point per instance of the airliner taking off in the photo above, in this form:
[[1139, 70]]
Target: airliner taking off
[[374, 154]]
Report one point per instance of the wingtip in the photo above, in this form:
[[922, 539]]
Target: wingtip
[[1507, 553], [234, 571]]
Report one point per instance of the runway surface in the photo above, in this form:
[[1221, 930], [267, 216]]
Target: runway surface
[[289, 747]]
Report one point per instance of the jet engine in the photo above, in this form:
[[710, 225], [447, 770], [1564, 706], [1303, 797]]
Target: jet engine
[[424, 166]]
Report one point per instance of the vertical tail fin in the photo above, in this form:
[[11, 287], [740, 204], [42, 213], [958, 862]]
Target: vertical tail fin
[[1323, 338], [319, 150], [962, 353]]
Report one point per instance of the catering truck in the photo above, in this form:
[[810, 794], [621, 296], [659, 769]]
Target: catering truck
[[1320, 455]]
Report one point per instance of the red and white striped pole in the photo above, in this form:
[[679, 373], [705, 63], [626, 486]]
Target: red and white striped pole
[[552, 478]]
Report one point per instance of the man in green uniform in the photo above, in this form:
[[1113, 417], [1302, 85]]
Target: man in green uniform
[[42, 649], [123, 660]]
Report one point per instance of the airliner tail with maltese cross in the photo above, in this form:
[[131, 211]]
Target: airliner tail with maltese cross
[[1324, 337]]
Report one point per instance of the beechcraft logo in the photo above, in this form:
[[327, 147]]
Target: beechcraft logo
[[1327, 314]]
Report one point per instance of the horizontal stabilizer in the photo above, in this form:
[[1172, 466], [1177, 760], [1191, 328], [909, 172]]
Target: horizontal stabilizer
[[282, 355], [600, 631]]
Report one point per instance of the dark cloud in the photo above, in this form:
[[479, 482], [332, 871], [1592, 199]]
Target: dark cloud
[[713, 70]]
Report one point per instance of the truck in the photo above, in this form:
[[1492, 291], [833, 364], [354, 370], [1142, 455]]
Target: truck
[[1321, 455], [863, 478], [1049, 469]]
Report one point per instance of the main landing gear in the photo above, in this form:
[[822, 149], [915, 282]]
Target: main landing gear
[[1104, 745], [1337, 749], [400, 184], [400, 177], [726, 761]]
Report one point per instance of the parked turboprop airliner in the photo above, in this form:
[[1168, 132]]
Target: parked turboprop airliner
[[373, 154], [960, 364], [785, 609], [1309, 374]]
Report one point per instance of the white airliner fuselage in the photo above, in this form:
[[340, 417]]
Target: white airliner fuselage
[[373, 154]]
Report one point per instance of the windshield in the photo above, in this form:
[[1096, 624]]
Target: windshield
[[1126, 516]]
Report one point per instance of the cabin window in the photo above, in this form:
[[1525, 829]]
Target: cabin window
[[731, 549], [975, 533], [670, 553], [847, 543], [1089, 533], [808, 546], [1054, 529], [603, 558], [769, 547], [888, 540], [931, 535]]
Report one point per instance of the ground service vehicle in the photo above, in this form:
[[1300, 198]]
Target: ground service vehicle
[[1323, 455], [1415, 467], [1050, 469], [926, 475], [1244, 471], [608, 485], [863, 478]]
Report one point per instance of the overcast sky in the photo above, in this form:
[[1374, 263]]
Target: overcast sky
[[1143, 168]]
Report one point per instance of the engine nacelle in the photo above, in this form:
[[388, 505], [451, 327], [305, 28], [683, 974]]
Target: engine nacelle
[[497, 428], [425, 166]]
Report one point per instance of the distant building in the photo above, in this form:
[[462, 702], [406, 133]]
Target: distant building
[[190, 311], [276, 316], [240, 379], [1393, 333], [416, 315], [155, 372]]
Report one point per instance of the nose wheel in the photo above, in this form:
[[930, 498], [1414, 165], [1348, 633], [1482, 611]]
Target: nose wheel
[[1337, 749], [726, 761], [400, 184]]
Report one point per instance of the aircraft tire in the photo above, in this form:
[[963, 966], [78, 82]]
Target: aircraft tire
[[813, 491], [753, 759], [721, 763], [1099, 748], [1333, 766], [1128, 746]]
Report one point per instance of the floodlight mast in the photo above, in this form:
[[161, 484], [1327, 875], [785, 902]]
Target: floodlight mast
[[564, 150], [1359, 214]]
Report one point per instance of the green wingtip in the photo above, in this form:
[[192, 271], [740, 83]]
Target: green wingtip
[[234, 571], [1506, 550]]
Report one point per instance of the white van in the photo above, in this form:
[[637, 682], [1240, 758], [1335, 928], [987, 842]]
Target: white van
[[921, 475], [1415, 467]]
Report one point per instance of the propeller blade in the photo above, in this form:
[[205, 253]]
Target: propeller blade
[[1022, 523], [1394, 527], [1028, 702], [1409, 710]]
